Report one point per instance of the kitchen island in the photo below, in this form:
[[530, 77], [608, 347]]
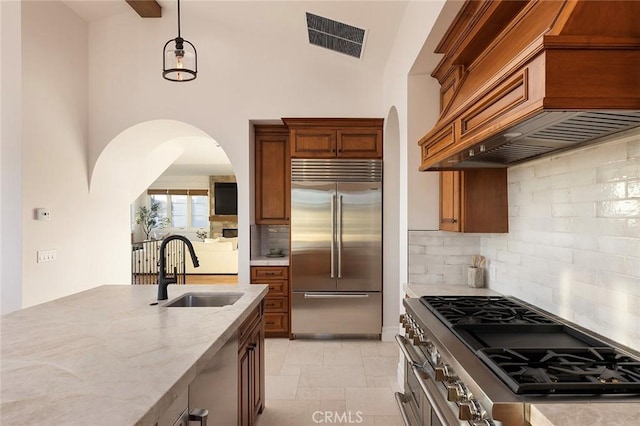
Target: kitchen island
[[107, 356]]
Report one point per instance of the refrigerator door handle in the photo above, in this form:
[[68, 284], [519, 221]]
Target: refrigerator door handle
[[333, 236], [336, 295], [339, 243]]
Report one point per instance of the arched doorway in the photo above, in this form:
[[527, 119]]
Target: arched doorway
[[173, 179]]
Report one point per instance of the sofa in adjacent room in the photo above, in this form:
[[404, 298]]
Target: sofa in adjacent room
[[216, 256]]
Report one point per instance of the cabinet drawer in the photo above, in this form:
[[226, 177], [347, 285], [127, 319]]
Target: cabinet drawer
[[269, 273], [247, 326], [276, 304], [276, 323], [278, 288]]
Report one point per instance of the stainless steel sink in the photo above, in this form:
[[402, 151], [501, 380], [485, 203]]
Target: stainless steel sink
[[204, 300]]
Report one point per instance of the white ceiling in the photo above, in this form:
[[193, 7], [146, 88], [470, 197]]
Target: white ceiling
[[381, 19]]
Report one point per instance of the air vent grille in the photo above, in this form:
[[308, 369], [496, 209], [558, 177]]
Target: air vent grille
[[336, 36], [588, 126], [336, 170]]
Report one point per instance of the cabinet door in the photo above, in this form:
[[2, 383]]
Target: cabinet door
[[450, 201], [244, 387], [273, 177], [360, 143], [484, 200], [257, 367], [313, 143]]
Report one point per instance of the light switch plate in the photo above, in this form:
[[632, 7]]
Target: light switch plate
[[46, 256]]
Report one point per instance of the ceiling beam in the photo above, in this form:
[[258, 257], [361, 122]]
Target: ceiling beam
[[146, 8]]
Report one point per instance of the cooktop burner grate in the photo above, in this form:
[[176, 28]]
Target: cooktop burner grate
[[454, 310], [564, 370]]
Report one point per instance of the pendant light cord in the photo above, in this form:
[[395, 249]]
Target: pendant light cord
[[179, 19]]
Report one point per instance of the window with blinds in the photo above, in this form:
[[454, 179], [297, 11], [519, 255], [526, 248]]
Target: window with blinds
[[185, 208]]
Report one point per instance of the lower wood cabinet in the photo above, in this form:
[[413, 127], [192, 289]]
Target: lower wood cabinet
[[474, 200], [277, 300], [251, 368]]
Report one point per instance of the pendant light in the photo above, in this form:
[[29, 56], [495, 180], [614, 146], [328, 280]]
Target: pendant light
[[180, 59]]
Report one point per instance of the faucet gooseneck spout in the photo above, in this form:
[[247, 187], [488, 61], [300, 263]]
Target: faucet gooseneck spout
[[163, 280]]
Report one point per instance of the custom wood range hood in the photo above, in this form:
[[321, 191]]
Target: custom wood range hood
[[521, 79]]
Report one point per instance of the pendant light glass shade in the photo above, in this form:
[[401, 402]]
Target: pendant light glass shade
[[180, 59]]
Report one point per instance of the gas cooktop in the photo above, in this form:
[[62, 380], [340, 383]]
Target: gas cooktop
[[532, 352]]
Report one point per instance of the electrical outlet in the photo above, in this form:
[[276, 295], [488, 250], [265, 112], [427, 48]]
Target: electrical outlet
[[46, 256], [492, 272]]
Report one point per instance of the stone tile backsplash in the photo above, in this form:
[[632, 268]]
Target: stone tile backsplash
[[438, 257], [573, 246], [266, 237]]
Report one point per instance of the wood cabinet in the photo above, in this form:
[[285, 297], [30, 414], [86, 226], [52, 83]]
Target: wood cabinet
[[335, 138], [251, 368], [513, 76], [277, 301], [474, 200], [272, 175]]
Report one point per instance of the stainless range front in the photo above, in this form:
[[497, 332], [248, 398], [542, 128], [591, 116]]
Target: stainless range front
[[454, 377], [446, 394]]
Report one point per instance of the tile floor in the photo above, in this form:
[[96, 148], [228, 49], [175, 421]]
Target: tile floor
[[310, 382]]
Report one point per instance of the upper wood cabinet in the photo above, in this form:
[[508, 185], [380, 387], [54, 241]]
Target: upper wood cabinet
[[525, 78], [474, 200], [272, 175], [335, 137]]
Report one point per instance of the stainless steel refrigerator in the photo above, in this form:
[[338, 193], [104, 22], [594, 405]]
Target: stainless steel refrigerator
[[336, 247]]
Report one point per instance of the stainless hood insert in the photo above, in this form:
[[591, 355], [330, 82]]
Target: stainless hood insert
[[545, 133]]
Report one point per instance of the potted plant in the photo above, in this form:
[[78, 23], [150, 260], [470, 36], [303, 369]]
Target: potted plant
[[149, 219], [202, 234]]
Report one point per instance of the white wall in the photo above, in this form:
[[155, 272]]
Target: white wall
[[10, 157], [423, 98], [414, 29], [54, 123]]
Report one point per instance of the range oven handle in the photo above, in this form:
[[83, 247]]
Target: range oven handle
[[432, 401], [417, 368], [401, 400], [402, 342]]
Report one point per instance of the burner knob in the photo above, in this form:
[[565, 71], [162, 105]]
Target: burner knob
[[470, 410], [455, 392], [443, 373]]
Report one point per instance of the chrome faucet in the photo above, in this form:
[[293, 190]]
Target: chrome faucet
[[163, 280]]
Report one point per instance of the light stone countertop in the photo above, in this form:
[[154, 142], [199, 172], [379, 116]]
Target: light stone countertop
[[418, 290], [601, 414], [269, 261], [106, 357]]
